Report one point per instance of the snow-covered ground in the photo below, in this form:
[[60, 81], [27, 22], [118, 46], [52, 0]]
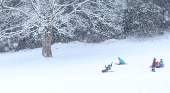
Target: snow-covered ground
[[76, 68]]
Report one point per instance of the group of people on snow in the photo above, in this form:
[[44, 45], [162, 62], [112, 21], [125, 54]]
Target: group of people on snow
[[121, 62], [157, 64]]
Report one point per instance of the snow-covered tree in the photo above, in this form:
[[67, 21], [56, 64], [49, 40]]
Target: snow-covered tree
[[143, 17], [39, 23], [71, 18]]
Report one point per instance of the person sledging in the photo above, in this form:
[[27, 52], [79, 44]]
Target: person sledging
[[160, 64], [107, 68], [121, 62]]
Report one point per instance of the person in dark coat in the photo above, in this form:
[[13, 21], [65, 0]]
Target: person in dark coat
[[154, 64], [107, 68]]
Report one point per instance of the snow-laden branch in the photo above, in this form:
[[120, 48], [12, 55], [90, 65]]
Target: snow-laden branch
[[10, 8], [65, 5], [13, 27], [78, 5], [5, 8], [62, 18], [36, 5], [2, 4]]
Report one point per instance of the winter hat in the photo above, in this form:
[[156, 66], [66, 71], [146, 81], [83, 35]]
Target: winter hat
[[118, 57]]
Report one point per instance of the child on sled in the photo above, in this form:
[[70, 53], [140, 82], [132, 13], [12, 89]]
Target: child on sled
[[160, 64], [121, 62], [107, 68]]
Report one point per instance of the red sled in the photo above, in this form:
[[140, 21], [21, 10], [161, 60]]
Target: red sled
[[157, 63], [111, 71], [108, 71]]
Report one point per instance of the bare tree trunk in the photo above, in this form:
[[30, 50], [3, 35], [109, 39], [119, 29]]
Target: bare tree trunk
[[46, 51]]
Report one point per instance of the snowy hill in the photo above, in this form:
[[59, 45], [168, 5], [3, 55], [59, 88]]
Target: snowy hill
[[76, 68]]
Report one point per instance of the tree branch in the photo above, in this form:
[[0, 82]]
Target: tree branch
[[78, 5], [65, 4], [11, 27], [5, 8]]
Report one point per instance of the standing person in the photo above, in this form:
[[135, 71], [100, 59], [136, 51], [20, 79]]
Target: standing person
[[153, 65], [160, 64], [121, 61]]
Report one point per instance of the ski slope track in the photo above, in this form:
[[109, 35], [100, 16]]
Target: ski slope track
[[76, 68]]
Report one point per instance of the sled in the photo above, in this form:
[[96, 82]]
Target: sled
[[108, 71], [157, 63], [120, 64]]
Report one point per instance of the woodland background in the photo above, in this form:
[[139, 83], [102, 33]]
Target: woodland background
[[24, 24]]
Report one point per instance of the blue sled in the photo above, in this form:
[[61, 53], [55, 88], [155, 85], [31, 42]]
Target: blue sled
[[120, 64]]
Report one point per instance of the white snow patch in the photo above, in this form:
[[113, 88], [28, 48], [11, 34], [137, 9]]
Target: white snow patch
[[76, 68]]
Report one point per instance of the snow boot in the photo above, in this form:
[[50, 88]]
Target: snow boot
[[152, 70], [103, 71]]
